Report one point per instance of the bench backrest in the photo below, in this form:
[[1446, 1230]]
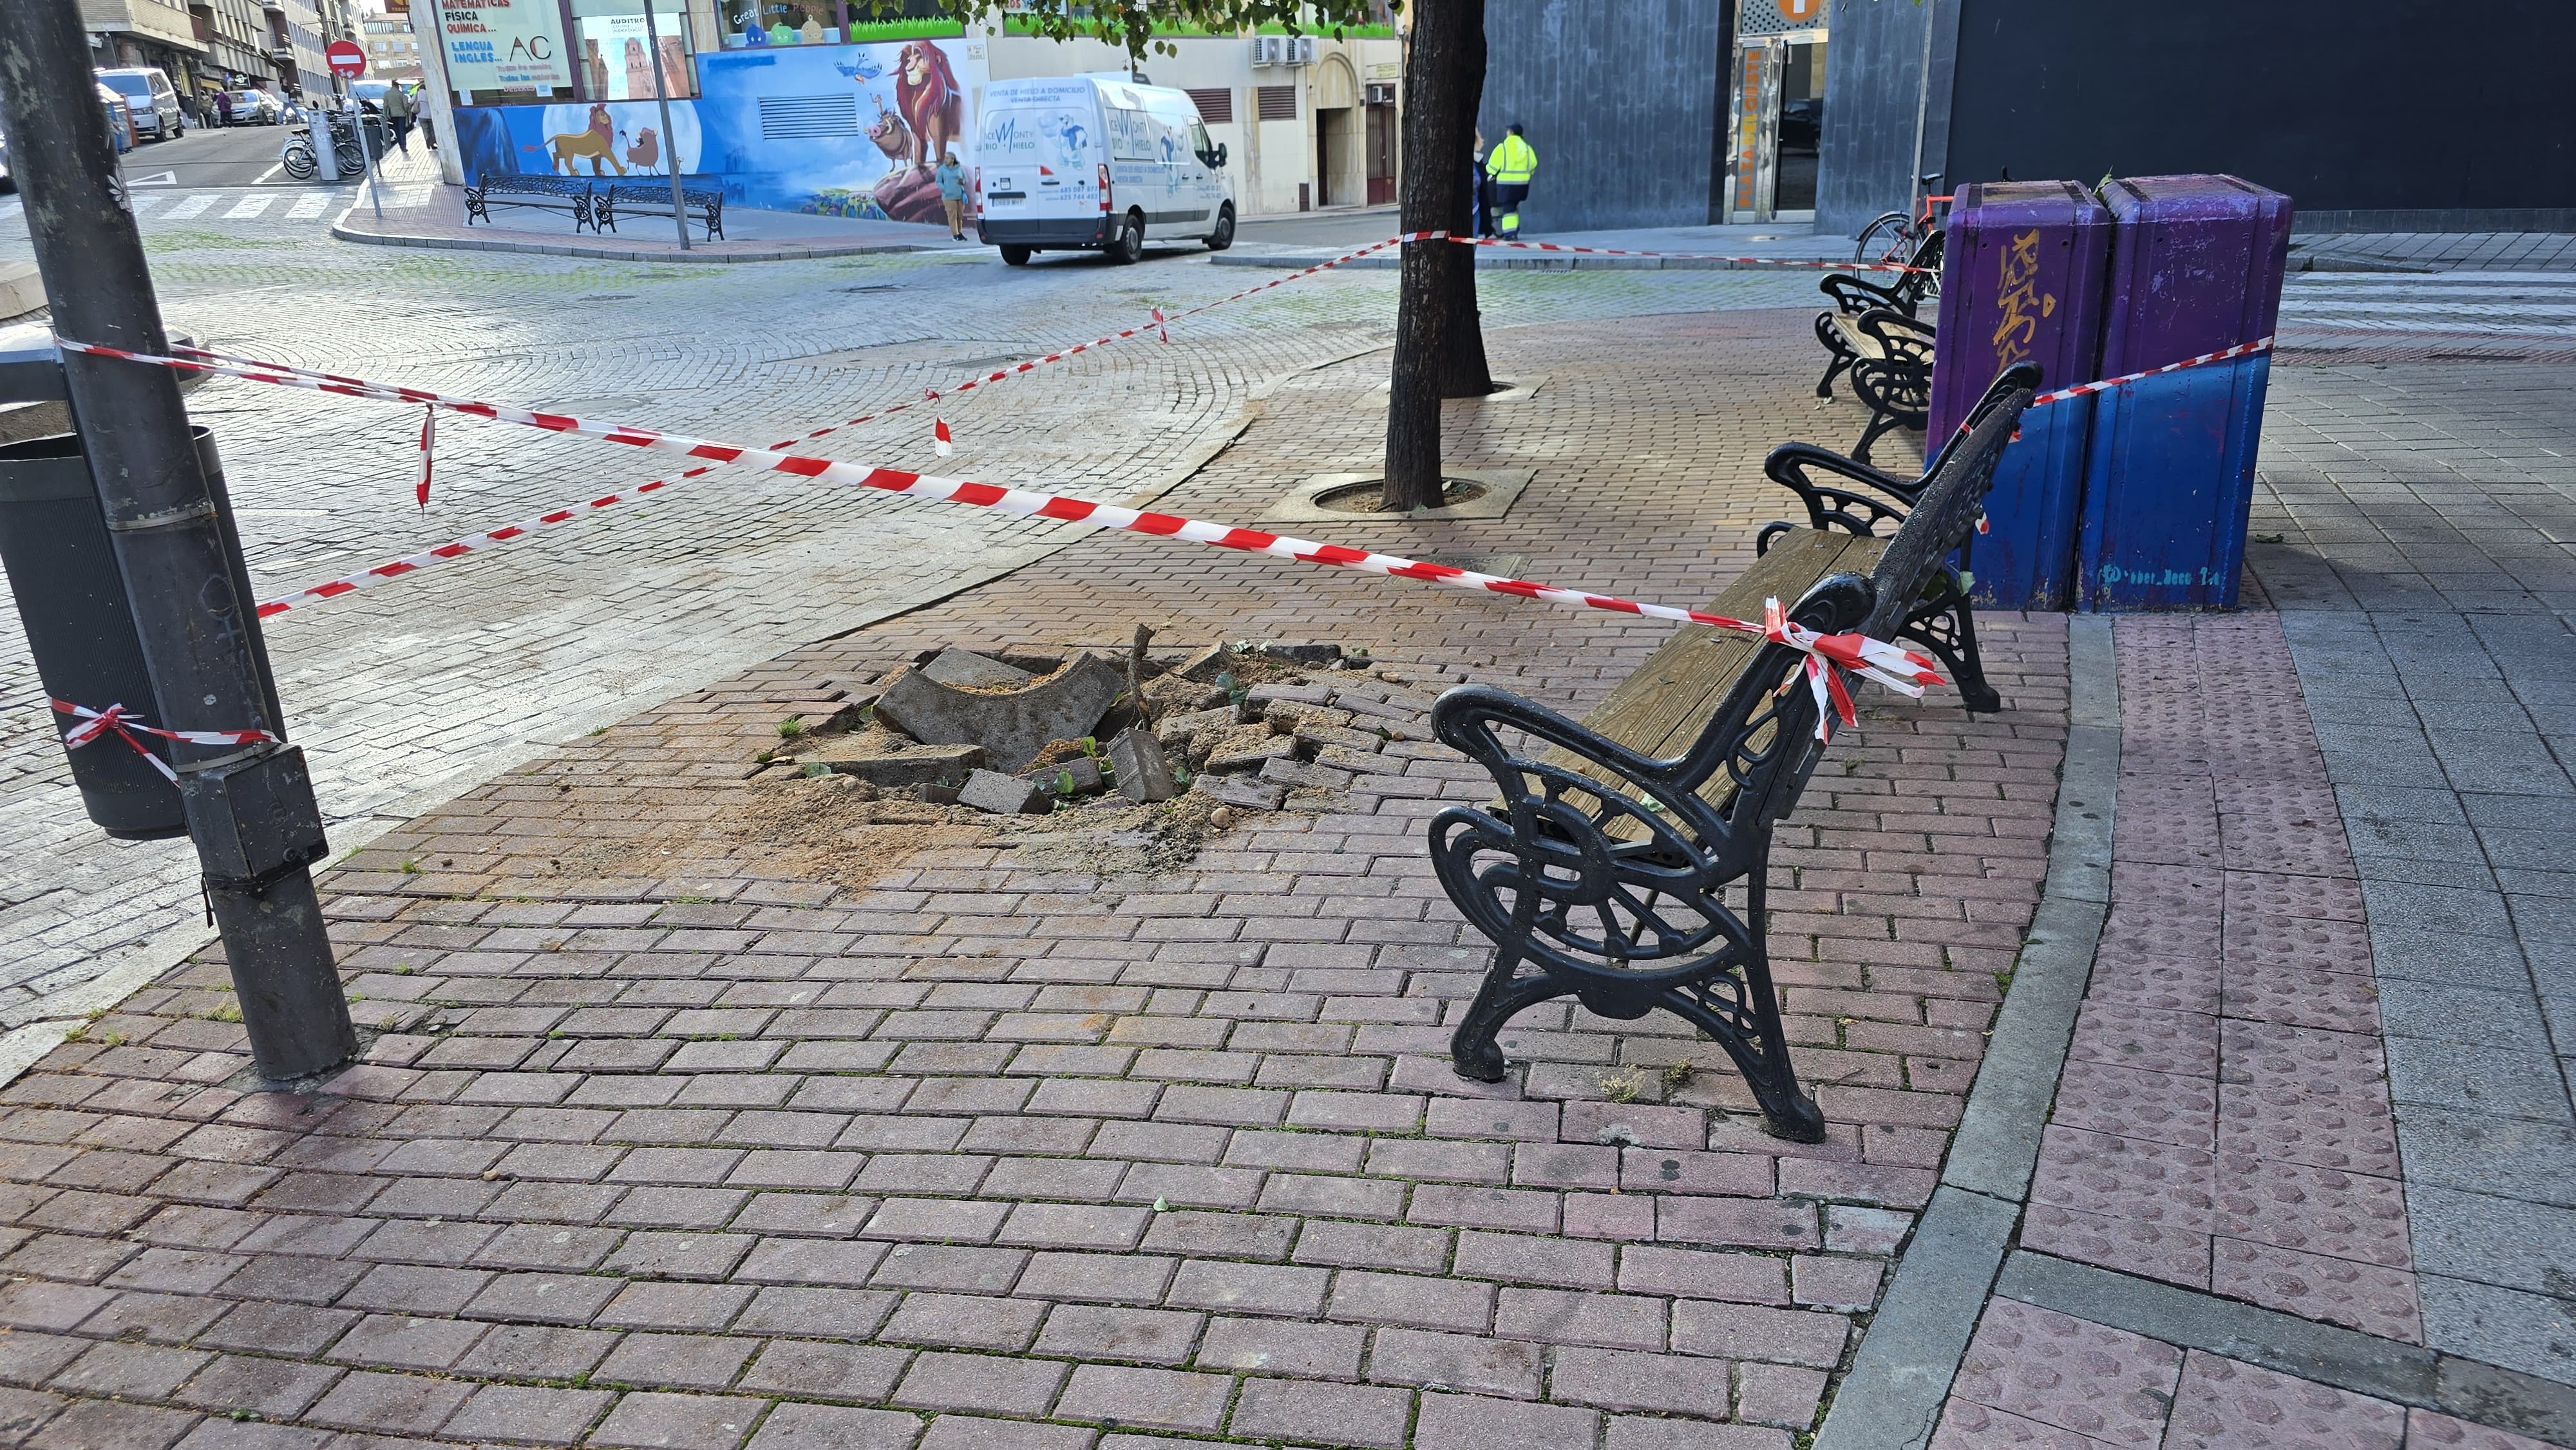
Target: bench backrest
[[1748, 733], [1949, 499]]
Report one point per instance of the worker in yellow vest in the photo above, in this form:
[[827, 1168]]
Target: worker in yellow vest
[[1511, 166]]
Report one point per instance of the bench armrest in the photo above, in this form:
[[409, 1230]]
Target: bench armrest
[[1831, 507], [1904, 335], [1856, 295]]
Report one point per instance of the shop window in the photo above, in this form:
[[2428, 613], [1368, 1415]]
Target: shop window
[[613, 49]]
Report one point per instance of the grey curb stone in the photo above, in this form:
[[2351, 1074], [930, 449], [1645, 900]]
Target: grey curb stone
[[2347, 1359]]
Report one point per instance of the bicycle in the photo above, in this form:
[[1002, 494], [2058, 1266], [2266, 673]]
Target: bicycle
[[1907, 238]]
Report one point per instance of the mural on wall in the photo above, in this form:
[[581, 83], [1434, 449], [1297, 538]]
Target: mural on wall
[[839, 130]]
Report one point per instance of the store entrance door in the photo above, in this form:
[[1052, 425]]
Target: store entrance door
[[1775, 111]]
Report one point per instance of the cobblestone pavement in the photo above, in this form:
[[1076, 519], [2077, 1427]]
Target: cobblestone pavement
[[409, 693], [992, 1152]]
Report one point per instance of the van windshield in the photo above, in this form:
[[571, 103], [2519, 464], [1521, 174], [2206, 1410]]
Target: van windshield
[[138, 87]]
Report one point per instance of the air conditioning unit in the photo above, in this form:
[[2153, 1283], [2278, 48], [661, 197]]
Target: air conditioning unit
[[1301, 49], [1269, 50]]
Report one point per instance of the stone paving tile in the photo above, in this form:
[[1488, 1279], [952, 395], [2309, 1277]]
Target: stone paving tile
[[2240, 1139], [724, 1134]]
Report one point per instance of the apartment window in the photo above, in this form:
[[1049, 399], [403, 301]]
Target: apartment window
[[1279, 103], [1215, 103]]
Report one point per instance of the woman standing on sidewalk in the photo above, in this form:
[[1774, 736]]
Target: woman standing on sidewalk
[[952, 194]]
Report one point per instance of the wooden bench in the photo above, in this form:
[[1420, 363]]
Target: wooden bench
[[1608, 860], [553, 193], [1891, 369], [656, 195], [1854, 295]]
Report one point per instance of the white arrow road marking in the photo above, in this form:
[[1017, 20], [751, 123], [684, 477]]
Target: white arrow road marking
[[165, 178]]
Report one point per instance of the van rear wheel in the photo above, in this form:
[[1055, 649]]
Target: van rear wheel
[[1223, 236], [1014, 255], [1128, 246]]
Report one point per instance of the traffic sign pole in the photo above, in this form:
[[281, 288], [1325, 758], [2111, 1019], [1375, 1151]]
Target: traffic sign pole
[[348, 62]]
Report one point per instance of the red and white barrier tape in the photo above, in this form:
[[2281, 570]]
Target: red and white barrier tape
[[2103, 385], [1790, 262], [1889, 665], [122, 723]]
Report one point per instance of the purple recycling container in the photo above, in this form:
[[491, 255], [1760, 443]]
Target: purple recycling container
[[2196, 266], [2021, 281]]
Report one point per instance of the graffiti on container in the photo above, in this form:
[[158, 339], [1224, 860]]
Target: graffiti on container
[[2167, 578], [2019, 296]]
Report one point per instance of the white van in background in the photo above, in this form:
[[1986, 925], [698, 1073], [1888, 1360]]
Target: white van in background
[[148, 95], [1097, 161]]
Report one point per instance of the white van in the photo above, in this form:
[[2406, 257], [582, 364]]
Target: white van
[[148, 95], [1096, 161]]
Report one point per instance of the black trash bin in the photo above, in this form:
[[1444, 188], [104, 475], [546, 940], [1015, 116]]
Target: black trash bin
[[71, 600]]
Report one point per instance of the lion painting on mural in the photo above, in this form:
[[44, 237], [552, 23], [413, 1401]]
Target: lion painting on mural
[[925, 90], [598, 144]]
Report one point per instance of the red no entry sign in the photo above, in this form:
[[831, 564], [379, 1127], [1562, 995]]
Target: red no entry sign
[[348, 61]]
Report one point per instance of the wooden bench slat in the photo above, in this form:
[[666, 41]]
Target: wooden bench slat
[[1661, 709]]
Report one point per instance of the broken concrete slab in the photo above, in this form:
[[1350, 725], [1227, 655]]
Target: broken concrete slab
[[1237, 791], [1260, 696], [1144, 772], [1178, 732], [1290, 716], [874, 758], [1005, 795], [1203, 666], [1011, 725], [1246, 747], [1174, 695], [970, 671]]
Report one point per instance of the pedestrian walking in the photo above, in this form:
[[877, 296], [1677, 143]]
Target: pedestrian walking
[[399, 115], [223, 108], [952, 194], [1511, 166]]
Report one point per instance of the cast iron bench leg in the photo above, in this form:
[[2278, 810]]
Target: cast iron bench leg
[[1945, 624]]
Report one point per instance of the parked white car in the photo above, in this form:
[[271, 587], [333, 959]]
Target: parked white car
[[1096, 162], [147, 93]]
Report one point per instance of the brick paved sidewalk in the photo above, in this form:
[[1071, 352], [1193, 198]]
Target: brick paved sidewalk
[[994, 1155]]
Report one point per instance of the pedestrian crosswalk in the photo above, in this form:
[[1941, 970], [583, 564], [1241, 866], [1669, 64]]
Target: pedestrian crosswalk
[[187, 206], [2518, 305]]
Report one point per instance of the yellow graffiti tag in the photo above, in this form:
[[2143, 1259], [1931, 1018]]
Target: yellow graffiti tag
[[2022, 302]]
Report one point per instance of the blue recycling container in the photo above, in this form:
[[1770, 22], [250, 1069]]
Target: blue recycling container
[[2021, 281], [2196, 267]]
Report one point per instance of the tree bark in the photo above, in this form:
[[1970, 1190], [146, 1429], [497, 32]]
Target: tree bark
[[1439, 346]]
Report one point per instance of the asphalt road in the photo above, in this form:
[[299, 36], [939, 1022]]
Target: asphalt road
[[212, 156]]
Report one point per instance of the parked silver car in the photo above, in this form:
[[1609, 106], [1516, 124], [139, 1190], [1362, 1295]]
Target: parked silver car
[[148, 95], [257, 108]]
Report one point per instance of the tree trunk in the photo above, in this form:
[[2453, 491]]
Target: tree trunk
[[1439, 347]]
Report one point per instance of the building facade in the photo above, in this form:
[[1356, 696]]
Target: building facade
[[160, 33], [801, 101], [1670, 113], [393, 52]]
